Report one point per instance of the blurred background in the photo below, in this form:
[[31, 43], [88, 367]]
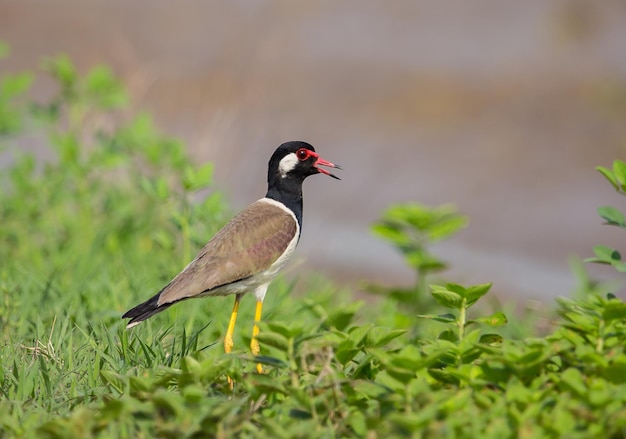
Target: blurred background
[[502, 108]]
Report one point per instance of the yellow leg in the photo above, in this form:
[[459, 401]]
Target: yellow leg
[[254, 343], [228, 338]]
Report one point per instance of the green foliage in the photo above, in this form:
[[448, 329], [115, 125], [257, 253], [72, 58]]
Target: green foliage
[[615, 176], [459, 298], [13, 89], [113, 213], [612, 216], [106, 218], [413, 228], [361, 380]]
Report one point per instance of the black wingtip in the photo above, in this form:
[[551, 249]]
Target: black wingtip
[[143, 311]]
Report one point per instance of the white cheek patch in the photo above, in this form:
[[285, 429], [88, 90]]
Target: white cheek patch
[[287, 164]]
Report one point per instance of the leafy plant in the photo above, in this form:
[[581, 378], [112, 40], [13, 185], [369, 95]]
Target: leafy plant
[[413, 228], [114, 211], [459, 298], [13, 89], [111, 212], [612, 216], [616, 176]]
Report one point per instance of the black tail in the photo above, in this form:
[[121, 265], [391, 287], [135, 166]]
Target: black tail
[[145, 310]]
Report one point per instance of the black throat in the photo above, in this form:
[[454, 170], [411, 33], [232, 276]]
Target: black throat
[[287, 190]]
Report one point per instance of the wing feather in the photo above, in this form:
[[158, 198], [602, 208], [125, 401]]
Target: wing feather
[[250, 243]]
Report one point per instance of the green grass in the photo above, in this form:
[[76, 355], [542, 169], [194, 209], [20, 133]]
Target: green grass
[[118, 211]]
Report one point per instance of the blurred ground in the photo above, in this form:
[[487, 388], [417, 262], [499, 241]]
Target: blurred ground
[[503, 108]]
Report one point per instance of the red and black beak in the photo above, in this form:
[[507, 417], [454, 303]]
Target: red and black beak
[[321, 162]]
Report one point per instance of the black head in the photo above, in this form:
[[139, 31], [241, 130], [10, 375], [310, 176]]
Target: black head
[[290, 164], [295, 161]]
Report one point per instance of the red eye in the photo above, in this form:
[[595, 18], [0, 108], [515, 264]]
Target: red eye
[[302, 154]]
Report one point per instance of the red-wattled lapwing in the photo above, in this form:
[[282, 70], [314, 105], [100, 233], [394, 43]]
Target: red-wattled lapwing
[[247, 253]]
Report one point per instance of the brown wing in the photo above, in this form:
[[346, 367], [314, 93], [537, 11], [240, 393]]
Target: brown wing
[[247, 245]]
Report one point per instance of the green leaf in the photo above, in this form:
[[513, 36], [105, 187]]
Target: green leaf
[[518, 392], [62, 69], [270, 361], [113, 379], [443, 318], [68, 147], [15, 85], [446, 298], [326, 339], [404, 364], [615, 373], [609, 176], [299, 414], [346, 354], [444, 376], [391, 233], [606, 254], [621, 267], [563, 421], [140, 384], [612, 215], [358, 335], [204, 175], [491, 339], [452, 294], [422, 260], [448, 227], [573, 379], [189, 177], [448, 335], [190, 365], [194, 179], [162, 189], [286, 331], [412, 227], [413, 422], [580, 322], [169, 402], [456, 288], [273, 339], [105, 89], [369, 389], [258, 384], [194, 394], [475, 292], [381, 336], [358, 423], [496, 319], [619, 170], [614, 310], [341, 318]]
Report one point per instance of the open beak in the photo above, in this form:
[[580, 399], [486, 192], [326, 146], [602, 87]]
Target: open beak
[[321, 162]]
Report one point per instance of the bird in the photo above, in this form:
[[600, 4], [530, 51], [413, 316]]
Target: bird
[[249, 251]]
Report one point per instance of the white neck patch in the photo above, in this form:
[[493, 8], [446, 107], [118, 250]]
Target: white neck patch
[[287, 164]]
